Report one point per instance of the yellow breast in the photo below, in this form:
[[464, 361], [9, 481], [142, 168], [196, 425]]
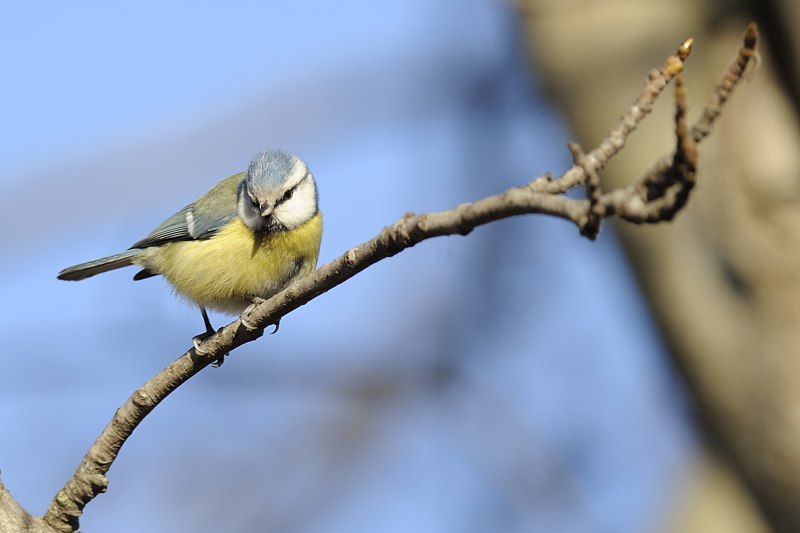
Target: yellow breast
[[226, 271]]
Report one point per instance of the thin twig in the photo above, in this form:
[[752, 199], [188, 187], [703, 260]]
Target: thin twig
[[732, 76], [590, 227]]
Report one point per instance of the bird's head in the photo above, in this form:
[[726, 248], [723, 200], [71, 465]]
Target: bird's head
[[278, 193]]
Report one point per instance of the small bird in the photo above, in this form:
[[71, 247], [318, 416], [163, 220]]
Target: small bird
[[241, 242]]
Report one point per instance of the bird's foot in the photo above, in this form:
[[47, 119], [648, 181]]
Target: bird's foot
[[244, 317], [197, 342]]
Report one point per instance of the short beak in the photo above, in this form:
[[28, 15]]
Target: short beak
[[266, 211]]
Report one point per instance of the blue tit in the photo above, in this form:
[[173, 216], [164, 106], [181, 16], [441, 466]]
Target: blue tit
[[244, 240]]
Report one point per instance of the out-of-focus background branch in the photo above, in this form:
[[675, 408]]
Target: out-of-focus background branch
[[724, 281], [515, 382]]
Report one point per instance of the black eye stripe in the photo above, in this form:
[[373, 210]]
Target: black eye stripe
[[288, 194]]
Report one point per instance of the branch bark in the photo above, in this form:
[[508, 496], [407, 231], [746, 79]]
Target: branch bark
[[656, 197], [14, 518]]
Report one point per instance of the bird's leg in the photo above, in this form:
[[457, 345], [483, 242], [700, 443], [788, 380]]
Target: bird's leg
[[249, 325], [209, 328], [198, 339]]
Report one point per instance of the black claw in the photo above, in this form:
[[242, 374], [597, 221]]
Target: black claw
[[277, 325]]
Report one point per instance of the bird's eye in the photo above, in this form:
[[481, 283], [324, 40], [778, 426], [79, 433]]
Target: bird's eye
[[287, 195]]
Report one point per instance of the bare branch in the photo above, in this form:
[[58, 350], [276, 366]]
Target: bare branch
[[15, 518], [732, 76], [656, 197]]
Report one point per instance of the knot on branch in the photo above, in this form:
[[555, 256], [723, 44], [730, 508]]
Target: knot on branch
[[403, 234], [69, 502]]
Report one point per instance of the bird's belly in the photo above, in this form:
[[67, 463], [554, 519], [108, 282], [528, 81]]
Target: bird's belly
[[227, 270]]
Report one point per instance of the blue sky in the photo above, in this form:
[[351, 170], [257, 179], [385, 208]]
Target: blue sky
[[510, 380]]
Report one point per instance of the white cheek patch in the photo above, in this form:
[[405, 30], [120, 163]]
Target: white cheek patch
[[300, 207]]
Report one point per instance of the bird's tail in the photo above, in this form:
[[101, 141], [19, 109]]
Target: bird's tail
[[90, 268]]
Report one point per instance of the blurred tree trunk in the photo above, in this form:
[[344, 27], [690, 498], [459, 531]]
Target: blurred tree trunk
[[724, 279]]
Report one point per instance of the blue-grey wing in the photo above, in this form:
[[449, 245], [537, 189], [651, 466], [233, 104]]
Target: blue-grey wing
[[201, 219], [185, 225]]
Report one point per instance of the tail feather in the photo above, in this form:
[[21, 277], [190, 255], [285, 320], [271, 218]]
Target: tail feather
[[90, 268]]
